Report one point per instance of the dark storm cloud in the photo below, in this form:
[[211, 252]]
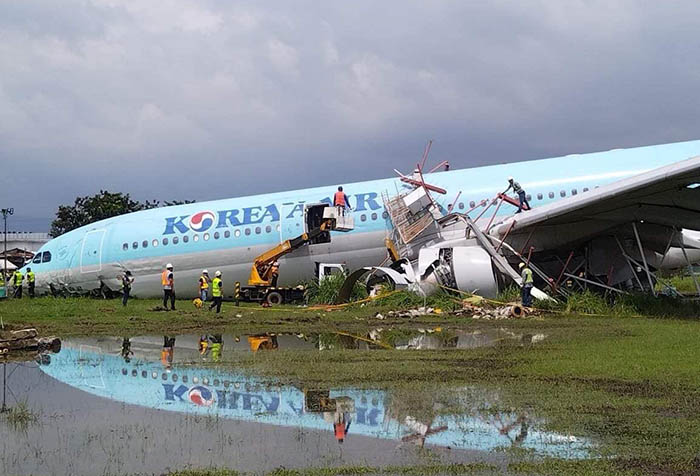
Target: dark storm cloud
[[183, 99]]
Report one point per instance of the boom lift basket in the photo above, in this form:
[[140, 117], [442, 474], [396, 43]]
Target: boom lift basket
[[343, 222]]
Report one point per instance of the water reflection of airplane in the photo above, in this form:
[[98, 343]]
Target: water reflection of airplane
[[97, 367]]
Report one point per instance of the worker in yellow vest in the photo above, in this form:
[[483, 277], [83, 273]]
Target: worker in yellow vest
[[217, 292], [31, 282], [204, 281], [17, 279], [528, 283], [167, 279]]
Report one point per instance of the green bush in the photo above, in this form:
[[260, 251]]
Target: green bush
[[326, 291]]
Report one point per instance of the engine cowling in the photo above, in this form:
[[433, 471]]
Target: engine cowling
[[467, 268]]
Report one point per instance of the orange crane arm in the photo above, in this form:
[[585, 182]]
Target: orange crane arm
[[261, 272]]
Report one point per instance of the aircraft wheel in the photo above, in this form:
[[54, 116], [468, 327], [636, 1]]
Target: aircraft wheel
[[274, 298]]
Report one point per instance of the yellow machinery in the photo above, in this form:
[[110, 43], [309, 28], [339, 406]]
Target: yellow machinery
[[261, 272]]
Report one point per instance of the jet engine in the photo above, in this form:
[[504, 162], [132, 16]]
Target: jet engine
[[466, 268]]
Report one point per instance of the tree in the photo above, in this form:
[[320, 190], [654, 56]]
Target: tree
[[90, 209]]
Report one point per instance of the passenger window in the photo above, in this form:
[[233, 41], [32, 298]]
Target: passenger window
[[257, 230], [385, 215], [573, 191], [144, 244], [185, 239], [154, 243], [206, 237], [472, 204], [46, 257], [539, 196], [551, 194], [562, 193], [134, 245], [125, 247], [461, 206], [363, 217], [247, 231], [528, 197], [217, 235], [585, 189], [374, 216], [268, 229], [227, 234], [37, 258], [237, 233], [176, 240], [195, 238], [165, 241]]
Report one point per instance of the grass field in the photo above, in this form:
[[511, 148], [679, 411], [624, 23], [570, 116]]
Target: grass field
[[629, 383]]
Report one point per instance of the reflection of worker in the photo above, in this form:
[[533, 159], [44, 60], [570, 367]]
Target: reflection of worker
[[217, 344], [340, 201], [521, 193], [127, 280], [275, 273], [216, 292], [167, 354], [341, 418], [526, 291], [126, 350], [167, 279], [204, 281], [31, 282], [17, 279]]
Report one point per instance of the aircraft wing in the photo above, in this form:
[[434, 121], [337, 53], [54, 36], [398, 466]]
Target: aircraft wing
[[665, 197]]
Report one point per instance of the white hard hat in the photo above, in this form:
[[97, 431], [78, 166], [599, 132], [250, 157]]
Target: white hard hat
[[169, 265], [218, 273], [521, 265], [205, 271], [276, 263], [510, 179]]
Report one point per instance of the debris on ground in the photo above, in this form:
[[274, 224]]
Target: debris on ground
[[474, 307]]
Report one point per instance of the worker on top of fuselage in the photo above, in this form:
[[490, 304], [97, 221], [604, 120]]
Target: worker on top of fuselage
[[522, 197], [341, 201]]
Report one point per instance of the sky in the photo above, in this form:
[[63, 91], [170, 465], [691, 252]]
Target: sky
[[207, 99]]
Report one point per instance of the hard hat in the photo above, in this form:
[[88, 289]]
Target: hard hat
[[218, 273], [510, 179], [521, 265], [276, 263], [168, 266], [204, 271]]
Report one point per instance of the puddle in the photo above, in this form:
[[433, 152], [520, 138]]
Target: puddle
[[114, 406]]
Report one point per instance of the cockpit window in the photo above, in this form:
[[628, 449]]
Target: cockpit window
[[46, 257], [37, 258]]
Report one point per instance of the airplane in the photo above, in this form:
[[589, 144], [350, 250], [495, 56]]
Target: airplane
[[185, 386], [598, 209]]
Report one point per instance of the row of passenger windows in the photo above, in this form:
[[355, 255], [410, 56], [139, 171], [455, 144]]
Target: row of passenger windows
[[195, 380], [540, 196], [226, 234], [44, 257]]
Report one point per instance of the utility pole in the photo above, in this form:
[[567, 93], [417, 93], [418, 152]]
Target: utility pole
[[5, 212]]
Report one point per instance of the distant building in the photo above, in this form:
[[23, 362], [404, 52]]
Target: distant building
[[21, 246]]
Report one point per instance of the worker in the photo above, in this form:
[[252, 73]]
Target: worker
[[127, 280], [31, 282], [526, 290], [341, 201], [521, 193], [17, 279], [341, 418], [204, 281], [216, 292], [275, 273], [167, 279]]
